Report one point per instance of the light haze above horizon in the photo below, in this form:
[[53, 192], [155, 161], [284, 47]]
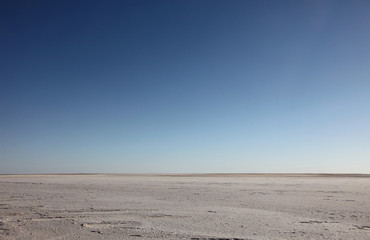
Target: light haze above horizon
[[185, 86]]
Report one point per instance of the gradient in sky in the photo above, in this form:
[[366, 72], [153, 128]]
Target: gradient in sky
[[184, 86]]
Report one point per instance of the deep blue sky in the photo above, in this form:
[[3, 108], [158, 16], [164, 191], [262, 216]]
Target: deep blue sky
[[184, 86]]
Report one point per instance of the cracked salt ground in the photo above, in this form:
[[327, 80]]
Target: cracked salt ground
[[193, 207]]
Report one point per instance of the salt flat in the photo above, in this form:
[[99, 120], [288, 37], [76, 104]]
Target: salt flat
[[184, 207]]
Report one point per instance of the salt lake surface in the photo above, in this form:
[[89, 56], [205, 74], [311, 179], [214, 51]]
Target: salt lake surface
[[184, 207]]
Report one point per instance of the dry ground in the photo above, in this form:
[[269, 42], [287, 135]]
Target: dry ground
[[184, 206]]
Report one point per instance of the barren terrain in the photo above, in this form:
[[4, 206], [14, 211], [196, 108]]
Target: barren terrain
[[217, 206]]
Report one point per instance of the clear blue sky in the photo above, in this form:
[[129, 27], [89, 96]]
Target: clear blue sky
[[184, 86]]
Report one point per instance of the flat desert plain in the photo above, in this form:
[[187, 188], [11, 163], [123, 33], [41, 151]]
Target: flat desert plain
[[190, 207]]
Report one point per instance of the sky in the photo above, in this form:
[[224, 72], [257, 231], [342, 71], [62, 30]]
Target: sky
[[184, 86]]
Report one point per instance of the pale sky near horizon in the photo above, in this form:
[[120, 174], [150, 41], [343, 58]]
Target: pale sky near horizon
[[184, 86]]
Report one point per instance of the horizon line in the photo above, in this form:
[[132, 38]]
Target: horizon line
[[225, 174]]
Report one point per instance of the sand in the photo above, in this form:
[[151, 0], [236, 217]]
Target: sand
[[184, 207]]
